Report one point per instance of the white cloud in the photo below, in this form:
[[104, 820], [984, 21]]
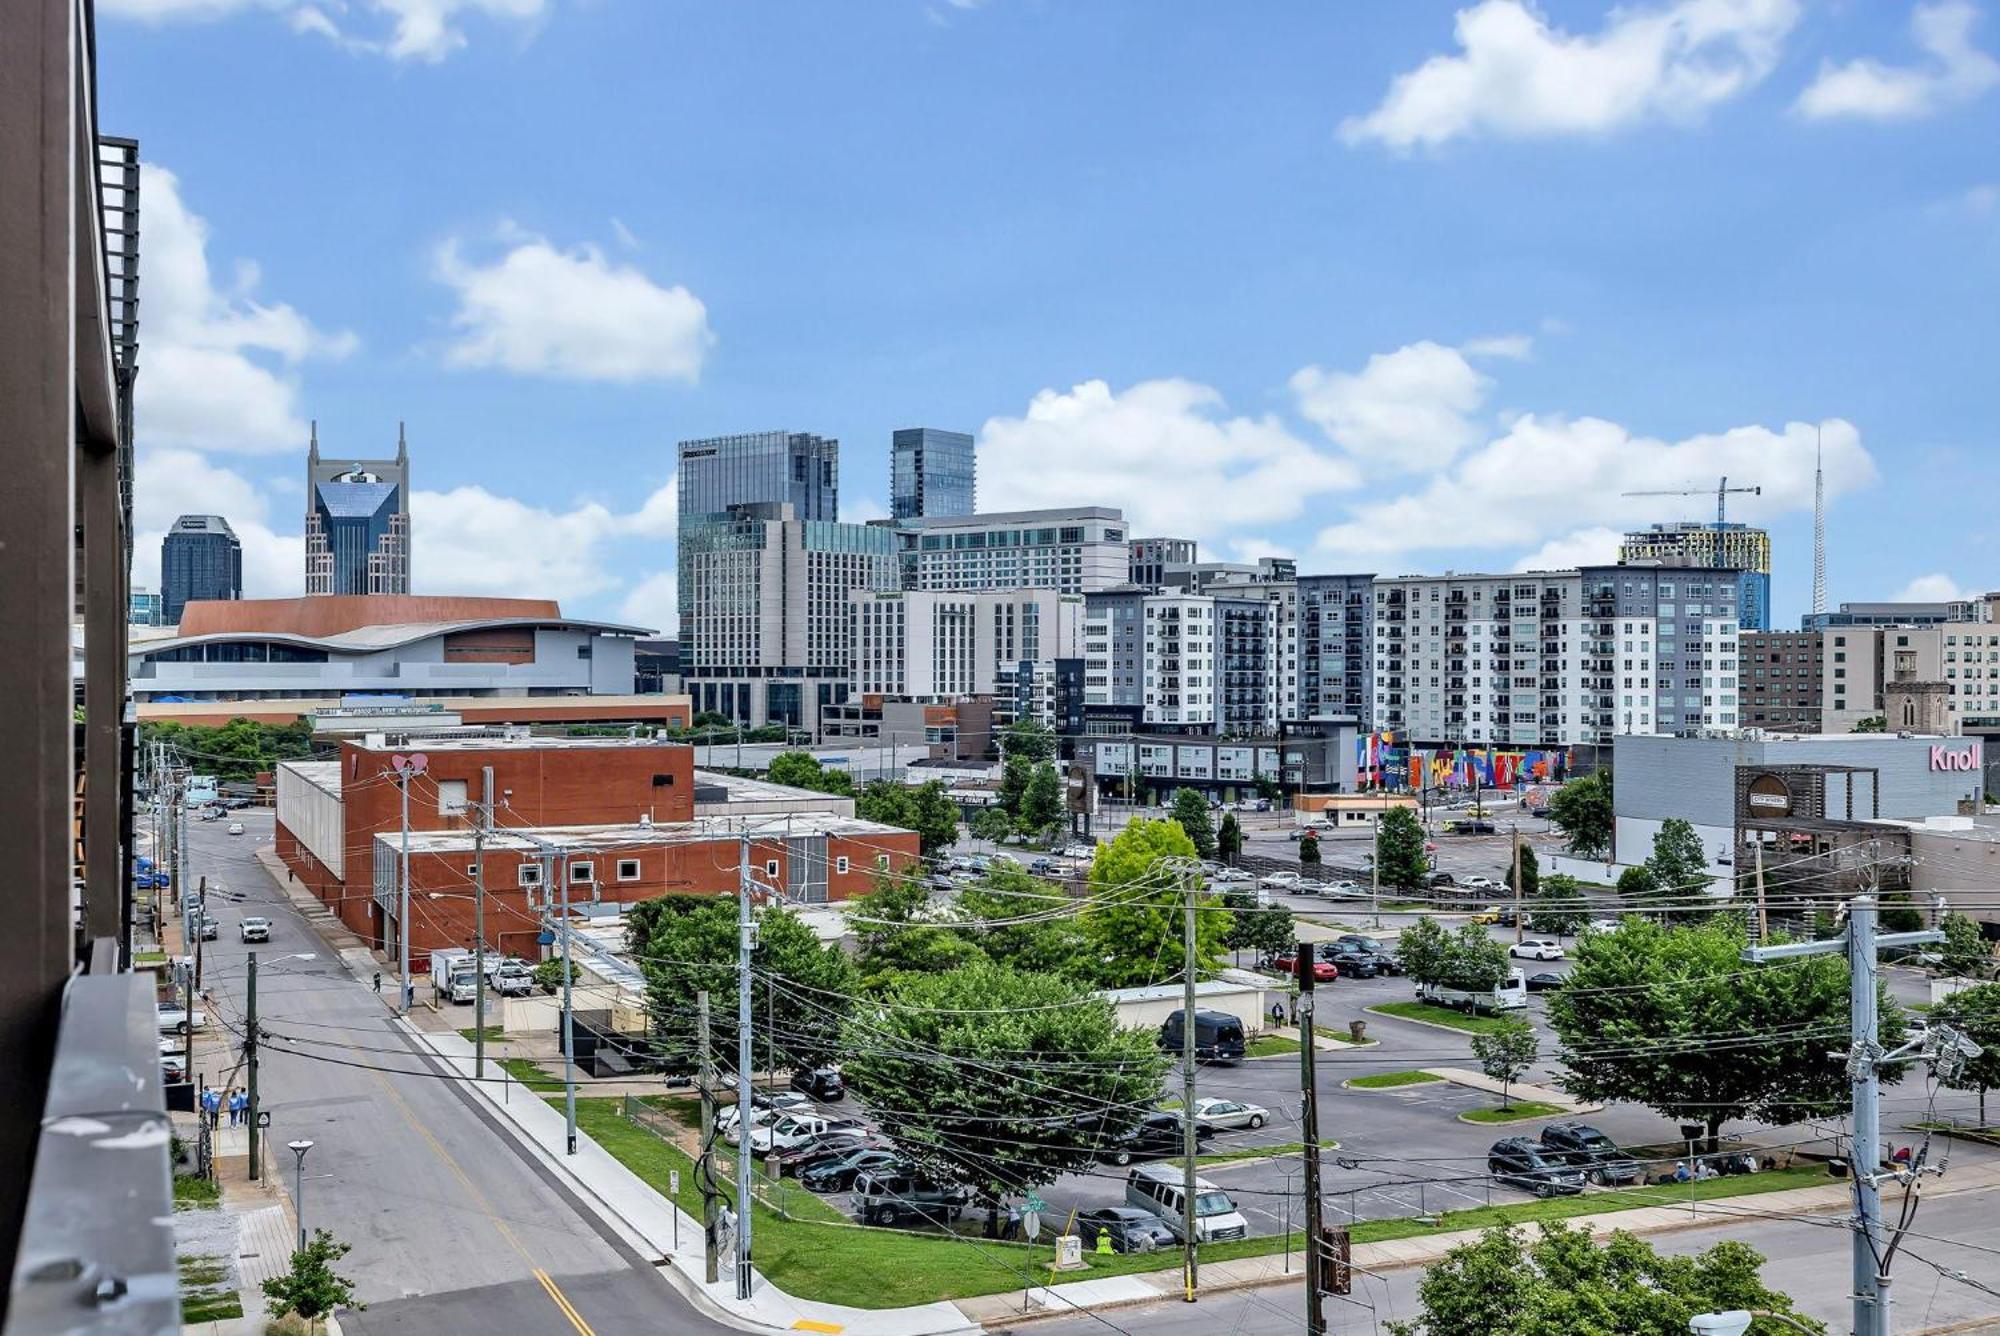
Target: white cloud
[[1584, 547], [1957, 72], [171, 483], [1410, 409], [218, 366], [426, 30], [470, 541], [1162, 450], [1512, 347], [658, 516], [652, 603], [1934, 588], [1517, 76], [573, 314], [862, 509], [1532, 483]]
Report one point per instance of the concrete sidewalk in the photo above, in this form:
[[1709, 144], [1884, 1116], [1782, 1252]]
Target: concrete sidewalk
[[1514, 1090]]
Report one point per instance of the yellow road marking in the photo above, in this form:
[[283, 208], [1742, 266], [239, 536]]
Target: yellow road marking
[[479, 1199], [814, 1324], [562, 1302]]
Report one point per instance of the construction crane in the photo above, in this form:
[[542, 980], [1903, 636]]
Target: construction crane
[[1722, 492]]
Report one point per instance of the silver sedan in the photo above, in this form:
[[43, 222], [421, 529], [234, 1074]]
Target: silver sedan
[[1228, 1113]]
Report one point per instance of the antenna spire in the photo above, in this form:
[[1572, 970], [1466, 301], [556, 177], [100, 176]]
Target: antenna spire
[[1819, 524]]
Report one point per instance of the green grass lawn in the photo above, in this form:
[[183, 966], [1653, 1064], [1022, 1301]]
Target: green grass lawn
[[203, 1298], [1470, 1022], [1390, 1080], [1519, 1111], [876, 1268], [530, 1074], [1260, 1152], [494, 1035], [191, 1192], [1270, 1046]]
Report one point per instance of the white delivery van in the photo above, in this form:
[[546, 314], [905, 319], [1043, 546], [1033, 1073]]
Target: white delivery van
[[1510, 994], [1161, 1189], [451, 974]]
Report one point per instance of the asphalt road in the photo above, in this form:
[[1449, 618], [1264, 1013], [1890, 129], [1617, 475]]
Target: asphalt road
[[453, 1228], [1807, 1258]]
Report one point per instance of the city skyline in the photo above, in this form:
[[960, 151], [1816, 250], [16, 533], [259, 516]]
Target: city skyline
[[1401, 386]]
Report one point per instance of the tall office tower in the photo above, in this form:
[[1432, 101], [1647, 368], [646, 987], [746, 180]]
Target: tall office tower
[[358, 522], [793, 468], [931, 472], [199, 559], [765, 622], [1738, 547]]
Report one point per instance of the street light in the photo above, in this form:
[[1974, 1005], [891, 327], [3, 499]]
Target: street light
[[299, 1149], [1737, 1321]]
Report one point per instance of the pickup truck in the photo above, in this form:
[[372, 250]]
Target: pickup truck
[[790, 1131], [513, 978]]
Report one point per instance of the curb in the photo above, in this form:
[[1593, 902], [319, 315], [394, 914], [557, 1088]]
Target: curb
[[1348, 1084], [1411, 1020]]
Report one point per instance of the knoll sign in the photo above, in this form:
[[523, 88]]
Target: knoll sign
[[1947, 758]]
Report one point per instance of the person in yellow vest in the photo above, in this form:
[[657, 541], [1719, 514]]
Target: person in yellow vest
[[1104, 1243]]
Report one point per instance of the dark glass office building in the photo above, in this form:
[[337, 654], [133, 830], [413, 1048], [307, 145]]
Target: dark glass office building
[[199, 559], [758, 468], [931, 473], [358, 522]]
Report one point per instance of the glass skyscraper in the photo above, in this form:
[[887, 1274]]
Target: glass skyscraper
[[200, 559], [790, 467], [931, 473], [358, 523]]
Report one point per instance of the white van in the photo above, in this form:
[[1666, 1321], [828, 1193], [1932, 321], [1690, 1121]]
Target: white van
[[1158, 1188]]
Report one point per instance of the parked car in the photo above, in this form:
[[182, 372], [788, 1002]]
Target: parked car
[[762, 1105], [1131, 1229], [1160, 1189], [1223, 875], [1343, 890], [1527, 1164], [1536, 948], [174, 1018], [254, 928], [1155, 1135], [1324, 970], [1229, 1114], [1602, 925], [1582, 1146], [1352, 961], [206, 927], [792, 1131], [838, 1172], [1218, 1035], [897, 1196], [1480, 884], [1487, 916], [1433, 880], [829, 1144], [236, 828], [173, 1067], [1546, 982], [1288, 882], [1043, 867], [825, 1084], [1362, 940]]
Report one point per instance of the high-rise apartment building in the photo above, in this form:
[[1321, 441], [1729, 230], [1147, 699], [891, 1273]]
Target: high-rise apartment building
[[1661, 649], [1154, 559], [1739, 547], [935, 645], [765, 623], [1780, 680], [793, 468], [1962, 610], [1075, 550], [358, 522], [931, 473], [1336, 638], [199, 559], [1177, 662]]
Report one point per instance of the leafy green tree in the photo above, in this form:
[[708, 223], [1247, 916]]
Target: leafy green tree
[[803, 987], [1874, 723], [1229, 839], [1399, 849], [311, 1288], [1025, 747], [1191, 810], [926, 809], [1964, 952], [1424, 951], [1975, 1013], [1474, 960], [549, 975], [1505, 1052], [802, 770], [1564, 1283], [988, 914], [235, 752], [1678, 864], [1309, 849], [1263, 929], [1042, 802], [1268, 788], [1557, 907], [1636, 883], [992, 824], [1581, 810], [1531, 872], [1899, 914], [997, 1079], [1673, 1019], [1133, 915], [899, 929]]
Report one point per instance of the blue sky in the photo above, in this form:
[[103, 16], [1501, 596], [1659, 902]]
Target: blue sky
[[1388, 287]]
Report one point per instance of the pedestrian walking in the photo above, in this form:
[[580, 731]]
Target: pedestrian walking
[[1278, 1012], [378, 983], [1013, 1221], [239, 1105], [211, 1104]]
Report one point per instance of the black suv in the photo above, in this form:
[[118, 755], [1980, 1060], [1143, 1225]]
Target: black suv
[[1584, 1147], [1526, 1164], [894, 1196], [1353, 962], [824, 1084], [1154, 1136]]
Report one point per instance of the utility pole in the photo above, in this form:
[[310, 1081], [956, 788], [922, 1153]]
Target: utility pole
[[1860, 942], [705, 1168], [250, 1057], [1520, 922], [403, 875], [1190, 1275], [1763, 919], [1375, 875], [746, 941], [1309, 1119], [201, 909], [479, 925], [568, 1009]]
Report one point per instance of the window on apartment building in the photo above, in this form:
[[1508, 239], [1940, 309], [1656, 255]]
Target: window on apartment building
[[582, 874], [628, 869], [529, 874]]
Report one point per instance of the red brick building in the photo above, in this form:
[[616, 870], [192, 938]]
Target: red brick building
[[625, 808]]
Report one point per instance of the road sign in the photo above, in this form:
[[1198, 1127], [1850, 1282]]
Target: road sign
[[1034, 1203]]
